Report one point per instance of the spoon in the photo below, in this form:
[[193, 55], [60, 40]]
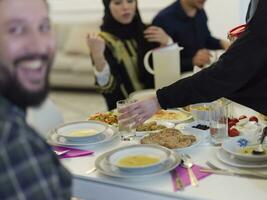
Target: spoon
[[259, 150]]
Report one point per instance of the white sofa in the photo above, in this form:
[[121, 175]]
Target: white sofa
[[72, 67]]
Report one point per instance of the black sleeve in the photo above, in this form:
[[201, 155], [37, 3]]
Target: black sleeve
[[243, 60]]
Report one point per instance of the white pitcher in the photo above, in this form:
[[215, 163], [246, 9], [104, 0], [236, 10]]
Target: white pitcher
[[166, 62]]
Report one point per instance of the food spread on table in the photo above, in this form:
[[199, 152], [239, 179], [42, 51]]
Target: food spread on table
[[170, 115], [108, 117], [83, 133], [170, 138], [243, 124], [137, 160], [150, 126]]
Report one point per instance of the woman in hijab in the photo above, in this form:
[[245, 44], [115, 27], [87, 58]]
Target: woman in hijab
[[118, 51]]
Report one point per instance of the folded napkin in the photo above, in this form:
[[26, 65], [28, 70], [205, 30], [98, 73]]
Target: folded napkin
[[72, 153], [183, 174]]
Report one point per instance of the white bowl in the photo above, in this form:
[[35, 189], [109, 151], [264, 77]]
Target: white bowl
[[161, 154], [83, 130], [234, 146]]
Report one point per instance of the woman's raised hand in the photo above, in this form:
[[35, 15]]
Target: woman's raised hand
[[97, 48], [157, 34]]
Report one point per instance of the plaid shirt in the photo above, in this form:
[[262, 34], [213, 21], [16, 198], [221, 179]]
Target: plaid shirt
[[28, 168]]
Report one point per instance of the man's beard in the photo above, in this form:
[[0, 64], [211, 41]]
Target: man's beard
[[12, 89]]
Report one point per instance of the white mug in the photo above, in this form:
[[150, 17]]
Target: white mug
[[166, 62]]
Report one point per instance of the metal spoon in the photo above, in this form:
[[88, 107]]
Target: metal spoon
[[259, 150]]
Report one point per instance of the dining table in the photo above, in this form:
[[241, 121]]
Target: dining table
[[89, 183]]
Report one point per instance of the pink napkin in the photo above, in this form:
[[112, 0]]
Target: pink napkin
[[73, 152], [183, 174]]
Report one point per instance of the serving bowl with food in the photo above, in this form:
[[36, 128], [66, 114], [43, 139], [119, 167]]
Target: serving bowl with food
[[138, 157], [110, 118], [172, 139], [152, 127], [173, 116], [82, 131], [241, 148]]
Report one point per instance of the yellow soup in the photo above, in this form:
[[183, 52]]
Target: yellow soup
[[83, 133], [248, 150], [137, 161]]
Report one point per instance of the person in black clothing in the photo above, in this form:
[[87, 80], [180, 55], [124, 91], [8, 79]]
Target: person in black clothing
[[186, 22], [118, 51], [240, 75]]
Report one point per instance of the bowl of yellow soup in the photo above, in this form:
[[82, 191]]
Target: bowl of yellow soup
[[138, 157], [82, 131], [241, 148]]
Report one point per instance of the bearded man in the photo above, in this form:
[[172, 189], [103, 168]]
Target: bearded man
[[28, 167]]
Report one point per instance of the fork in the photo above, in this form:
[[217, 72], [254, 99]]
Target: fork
[[187, 163], [239, 172]]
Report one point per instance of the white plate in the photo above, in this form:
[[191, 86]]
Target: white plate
[[54, 139], [104, 167], [234, 146], [226, 158], [91, 129], [167, 124], [199, 139], [152, 151], [176, 121]]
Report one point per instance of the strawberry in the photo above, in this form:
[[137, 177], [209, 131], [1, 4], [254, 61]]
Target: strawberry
[[233, 132], [254, 118], [231, 123]]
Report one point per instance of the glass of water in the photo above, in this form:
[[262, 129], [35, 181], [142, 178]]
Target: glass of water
[[127, 131], [218, 122]]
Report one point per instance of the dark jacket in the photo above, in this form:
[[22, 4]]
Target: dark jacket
[[192, 33]]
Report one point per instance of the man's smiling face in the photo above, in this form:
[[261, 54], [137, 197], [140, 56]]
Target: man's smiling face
[[27, 49]]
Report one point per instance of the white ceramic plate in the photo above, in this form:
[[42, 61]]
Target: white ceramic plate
[[152, 151], [167, 124], [82, 130], [226, 158], [104, 167], [235, 145], [199, 139], [185, 117], [54, 139]]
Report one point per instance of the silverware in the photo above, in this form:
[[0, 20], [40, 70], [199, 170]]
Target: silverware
[[244, 173], [89, 171], [260, 150], [178, 180], [187, 163]]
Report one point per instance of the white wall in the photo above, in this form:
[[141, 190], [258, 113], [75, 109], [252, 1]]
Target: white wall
[[223, 14]]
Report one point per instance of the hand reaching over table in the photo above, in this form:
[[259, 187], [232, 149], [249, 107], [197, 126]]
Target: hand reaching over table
[[137, 113]]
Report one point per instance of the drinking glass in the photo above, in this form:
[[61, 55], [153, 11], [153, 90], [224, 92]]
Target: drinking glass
[[127, 131], [218, 122]]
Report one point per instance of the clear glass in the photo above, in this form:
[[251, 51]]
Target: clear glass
[[218, 122], [127, 131]]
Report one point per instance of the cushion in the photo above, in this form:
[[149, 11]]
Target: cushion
[[76, 41]]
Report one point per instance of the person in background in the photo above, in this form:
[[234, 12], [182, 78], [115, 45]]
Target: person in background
[[118, 51], [240, 75], [186, 22], [28, 167]]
